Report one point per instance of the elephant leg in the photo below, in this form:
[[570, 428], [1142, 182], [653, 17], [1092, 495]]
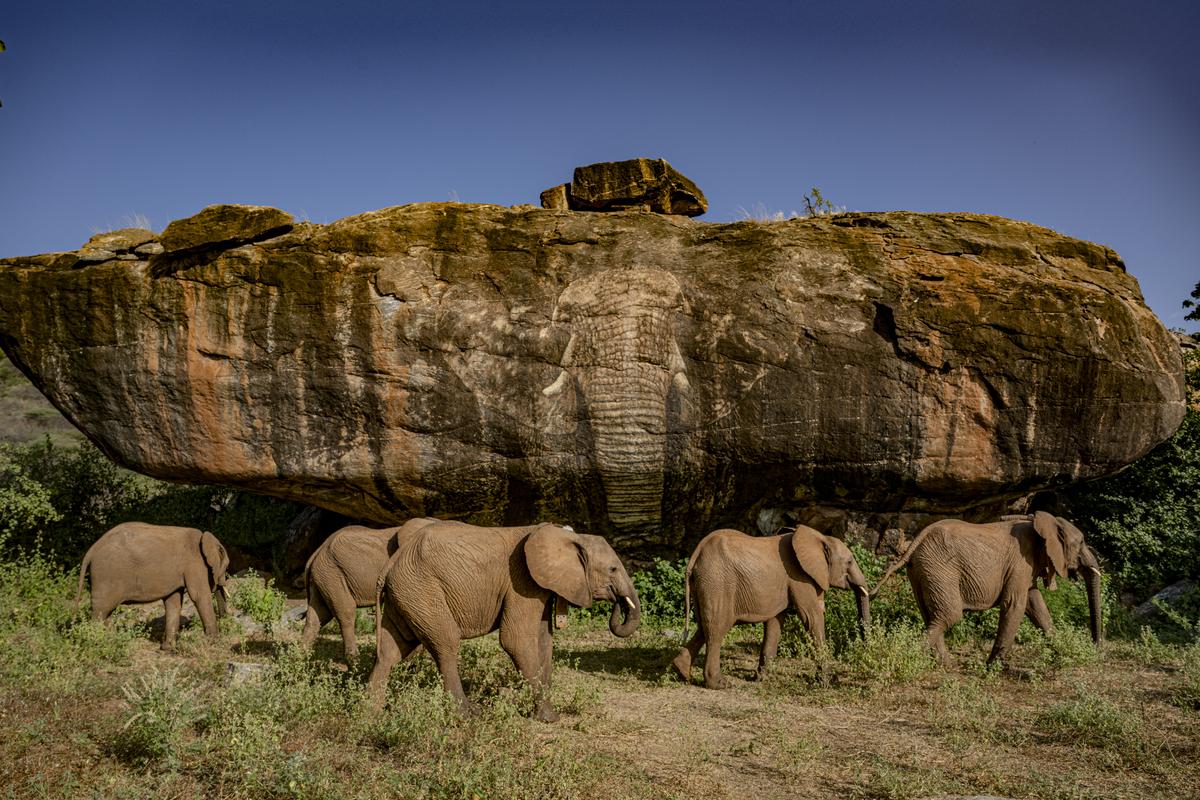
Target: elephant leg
[[315, 617], [103, 607], [813, 618], [687, 654], [772, 628], [1038, 613], [393, 648], [530, 653], [172, 608], [346, 618], [1012, 609], [940, 608], [714, 634], [201, 594], [445, 654]]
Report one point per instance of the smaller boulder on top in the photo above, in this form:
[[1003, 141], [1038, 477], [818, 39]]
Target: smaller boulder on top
[[650, 184]]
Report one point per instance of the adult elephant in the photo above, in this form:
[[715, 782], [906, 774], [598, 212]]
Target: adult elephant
[[624, 363], [740, 578], [955, 566], [447, 582], [136, 562], [340, 578]]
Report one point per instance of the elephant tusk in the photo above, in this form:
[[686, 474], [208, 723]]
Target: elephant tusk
[[862, 590], [557, 386], [630, 603]]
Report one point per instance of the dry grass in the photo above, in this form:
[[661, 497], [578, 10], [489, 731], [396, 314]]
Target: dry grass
[[82, 714]]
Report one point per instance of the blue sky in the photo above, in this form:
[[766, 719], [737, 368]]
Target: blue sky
[[1081, 116]]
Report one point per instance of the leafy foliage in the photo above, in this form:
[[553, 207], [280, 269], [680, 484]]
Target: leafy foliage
[[1193, 304], [59, 500], [259, 600], [815, 204], [660, 589]]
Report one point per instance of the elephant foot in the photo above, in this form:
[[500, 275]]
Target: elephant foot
[[546, 713], [683, 666], [761, 674], [718, 683]]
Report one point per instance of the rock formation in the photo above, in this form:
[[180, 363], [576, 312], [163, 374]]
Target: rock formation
[[648, 184], [632, 374]]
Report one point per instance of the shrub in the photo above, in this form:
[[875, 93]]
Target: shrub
[[1183, 617], [660, 589], [26, 507], [162, 708], [1091, 720], [1069, 646], [1186, 691], [86, 491], [259, 600], [888, 656]]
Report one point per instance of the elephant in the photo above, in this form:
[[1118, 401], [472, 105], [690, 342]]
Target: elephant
[[741, 578], [955, 566], [447, 582], [137, 562], [625, 363], [340, 577]]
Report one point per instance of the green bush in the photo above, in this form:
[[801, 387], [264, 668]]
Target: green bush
[[43, 642], [1069, 646], [26, 506], [59, 500], [888, 655], [259, 600], [86, 491], [1090, 719], [162, 708], [1185, 692], [660, 589]]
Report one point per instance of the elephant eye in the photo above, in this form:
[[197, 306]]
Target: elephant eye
[[612, 569]]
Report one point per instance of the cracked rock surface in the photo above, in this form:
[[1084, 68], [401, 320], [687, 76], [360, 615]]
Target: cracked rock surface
[[645, 377]]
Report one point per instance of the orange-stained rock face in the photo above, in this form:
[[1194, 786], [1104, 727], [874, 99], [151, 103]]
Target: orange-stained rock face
[[469, 361]]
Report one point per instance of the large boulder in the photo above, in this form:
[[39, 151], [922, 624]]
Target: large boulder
[[649, 184], [637, 375]]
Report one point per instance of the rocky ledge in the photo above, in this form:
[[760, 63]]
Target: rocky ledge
[[637, 375]]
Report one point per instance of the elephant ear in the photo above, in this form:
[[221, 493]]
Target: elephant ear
[[1047, 528], [809, 547], [214, 555], [555, 560]]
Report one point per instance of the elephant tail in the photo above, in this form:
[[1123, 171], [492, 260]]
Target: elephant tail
[[83, 570], [687, 589], [900, 562]]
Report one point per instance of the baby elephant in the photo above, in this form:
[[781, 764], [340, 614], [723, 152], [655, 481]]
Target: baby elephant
[[955, 566], [340, 578], [741, 578], [136, 562]]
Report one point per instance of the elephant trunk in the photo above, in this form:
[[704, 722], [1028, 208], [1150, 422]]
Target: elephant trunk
[[628, 606], [864, 609], [1091, 572], [220, 596], [858, 583]]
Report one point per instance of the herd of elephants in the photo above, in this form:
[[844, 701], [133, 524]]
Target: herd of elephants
[[436, 582]]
